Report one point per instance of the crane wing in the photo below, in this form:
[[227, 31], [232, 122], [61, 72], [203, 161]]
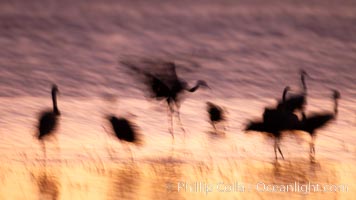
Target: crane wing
[[154, 84]]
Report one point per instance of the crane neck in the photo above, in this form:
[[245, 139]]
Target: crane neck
[[54, 100], [303, 83], [336, 104], [284, 96]]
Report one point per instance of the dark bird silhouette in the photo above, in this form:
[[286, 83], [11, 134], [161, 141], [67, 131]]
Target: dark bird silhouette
[[314, 121], [49, 119], [297, 101], [165, 85], [124, 130], [281, 117], [276, 120], [216, 114]]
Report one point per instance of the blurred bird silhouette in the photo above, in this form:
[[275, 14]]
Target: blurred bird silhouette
[[48, 120], [297, 101], [164, 84], [314, 121], [276, 120], [216, 114], [124, 130], [281, 117]]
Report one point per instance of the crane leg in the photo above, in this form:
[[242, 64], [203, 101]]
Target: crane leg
[[43, 147], [276, 146], [312, 149], [216, 131], [128, 149], [170, 120], [180, 122], [313, 145], [279, 149], [109, 145], [58, 148], [275, 149], [57, 144]]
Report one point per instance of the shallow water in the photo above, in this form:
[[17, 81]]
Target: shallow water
[[247, 51]]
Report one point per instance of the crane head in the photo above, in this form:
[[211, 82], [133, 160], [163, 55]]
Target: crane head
[[303, 72], [336, 94], [287, 88], [54, 88]]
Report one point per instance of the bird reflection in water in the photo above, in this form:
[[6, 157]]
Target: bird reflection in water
[[294, 174], [48, 186], [164, 179], [124, 182]]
